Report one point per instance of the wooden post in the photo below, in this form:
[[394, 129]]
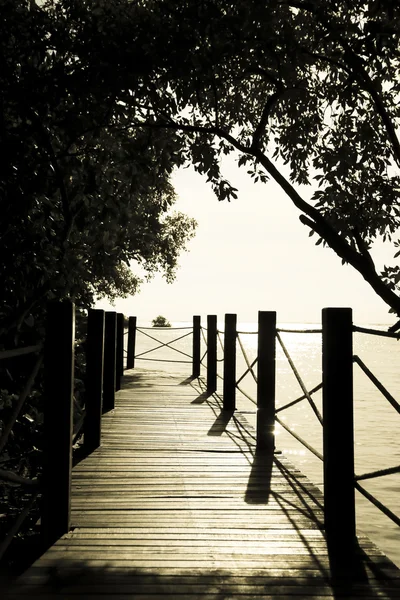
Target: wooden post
[[338, 431], [58, 420], [211, 353], [119, 351], [109, 377], [266, 381], [130, 363], [196, 346], [94, 379], [229, 388]]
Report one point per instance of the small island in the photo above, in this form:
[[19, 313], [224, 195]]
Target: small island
[[160, 321]]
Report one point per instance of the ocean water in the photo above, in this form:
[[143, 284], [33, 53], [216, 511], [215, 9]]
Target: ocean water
[[376, 423]]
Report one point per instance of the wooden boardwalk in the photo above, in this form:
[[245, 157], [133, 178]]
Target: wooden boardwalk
[[176, 504]]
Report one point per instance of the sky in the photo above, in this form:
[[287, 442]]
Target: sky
[[252, 254]]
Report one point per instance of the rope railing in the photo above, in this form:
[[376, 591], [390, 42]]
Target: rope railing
[[282, 330], [9, 476], [336, 393], [303, 397], [221, 345], [203, 329], [164, 328], [299, 379], [247, 361], [299, 439], [163, 345], [396, 405], [377, 332], [242, 391], [377, 383], [379, 473], [386, 511], [248, 370], [247, 332], [21, 401], [337, 397], [4, 354]]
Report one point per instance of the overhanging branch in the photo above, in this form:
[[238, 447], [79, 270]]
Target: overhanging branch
[[311, 216]]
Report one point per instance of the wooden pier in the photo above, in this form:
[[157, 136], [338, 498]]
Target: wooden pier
[[177, 503]]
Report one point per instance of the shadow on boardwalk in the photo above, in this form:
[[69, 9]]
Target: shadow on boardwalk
[[178, 504], [97, 579]]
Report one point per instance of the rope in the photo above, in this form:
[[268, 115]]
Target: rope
[[164, 344], [378, 504], [316, 389], [17, 524], [389, 334], [186, 362], [23, 396], [165, 328], [300, 381], [220, 341], [220, 376], [78, 429], [247, 371], [299, 439], [247, 332], [246, 359], [246, 395], [14, 478], [19, 351], [379, 473], [377, 383], [204, 337], [298, 330]]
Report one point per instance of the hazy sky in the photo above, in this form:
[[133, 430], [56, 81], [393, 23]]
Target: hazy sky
[[253, 254]]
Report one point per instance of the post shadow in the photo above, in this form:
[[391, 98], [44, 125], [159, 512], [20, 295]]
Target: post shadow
[[259, 485], [201, 398], [220, 423]]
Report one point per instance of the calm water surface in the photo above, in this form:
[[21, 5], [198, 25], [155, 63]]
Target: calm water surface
[[377, 440]]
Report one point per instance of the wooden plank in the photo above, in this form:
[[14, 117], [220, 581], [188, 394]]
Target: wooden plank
[[167, 509]]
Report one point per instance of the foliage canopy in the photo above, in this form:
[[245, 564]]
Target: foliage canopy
[[160, 321], [307, 92], [82, 196]]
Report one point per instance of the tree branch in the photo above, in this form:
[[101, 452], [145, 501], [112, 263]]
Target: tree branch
[[363, 264], [271, 101], [360, 74], [316, 221]]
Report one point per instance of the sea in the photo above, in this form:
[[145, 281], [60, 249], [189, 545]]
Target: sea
[[376, 422]]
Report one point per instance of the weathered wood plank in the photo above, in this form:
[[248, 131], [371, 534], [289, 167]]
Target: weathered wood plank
[[177, 504]]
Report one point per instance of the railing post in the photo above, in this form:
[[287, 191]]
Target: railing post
[[130, 362], [58, 420], [196, 346], [266, 381], [119, 351], [211, 353], [109, 377], [94, 379], [338, 431], [229, 387]]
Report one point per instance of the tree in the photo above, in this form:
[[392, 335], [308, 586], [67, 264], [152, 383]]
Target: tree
[[84, 198], [306, 91], [160, 321]]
